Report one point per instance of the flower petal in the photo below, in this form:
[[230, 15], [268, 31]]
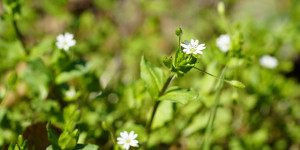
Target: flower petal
[[199, 52], [134, 136], [134, 143], [124, 134], [183, 45], [196, 43], [72, 43], [66, 47], [69, 36], [131, 133], [192, 42], [60, 37], [126, 146]]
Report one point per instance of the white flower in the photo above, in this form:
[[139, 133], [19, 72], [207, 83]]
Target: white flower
[[268, 61], [223, 42], [65, 41], [128, 140], [193, 47], [70, 93]]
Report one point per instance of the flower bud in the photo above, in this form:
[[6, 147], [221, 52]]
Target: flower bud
[[178, 32], [221, 8], [236, 84]]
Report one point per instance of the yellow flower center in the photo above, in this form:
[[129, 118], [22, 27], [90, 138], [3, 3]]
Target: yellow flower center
[[127, 141]]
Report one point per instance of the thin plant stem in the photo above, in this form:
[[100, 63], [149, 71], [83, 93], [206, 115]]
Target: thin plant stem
[[152, 117], [162, 92], [113, 138], [218, 78], [20, 36], [207, 138]]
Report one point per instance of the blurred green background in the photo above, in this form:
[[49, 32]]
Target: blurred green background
[[103, 67]]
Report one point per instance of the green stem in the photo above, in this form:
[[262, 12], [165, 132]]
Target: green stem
[[207, 138], [152, 117], [211, 74], [113, 138], [20, 36], [179, 48], [162, 92]]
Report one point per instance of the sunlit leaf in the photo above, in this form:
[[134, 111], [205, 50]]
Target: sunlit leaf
[[179, 95], [52, 137], [152, 76]]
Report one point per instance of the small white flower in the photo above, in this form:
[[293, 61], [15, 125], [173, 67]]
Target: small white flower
[[268, 61], [193, 47], [223, 42], [128, 140], [65, 41], [70, 93]]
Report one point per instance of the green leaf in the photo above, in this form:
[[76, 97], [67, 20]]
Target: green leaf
[[90, 147], [66, 76], [67, 140], [39, 50], [11, 147], [52, 137], [38, 77], [153, 77], [12, 6], [71, 114], [179, 95], [164, 114], [49, 147]]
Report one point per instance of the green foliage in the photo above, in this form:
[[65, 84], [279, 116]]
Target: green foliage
[[100, 87], [153, 77], [181, 64], [52, 137], [12, 7], [67, 140], [21, 144], [179, 95]]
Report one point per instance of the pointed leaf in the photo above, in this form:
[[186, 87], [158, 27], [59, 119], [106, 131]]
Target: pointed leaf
[[153, 77], [52, 137], [179, 95]]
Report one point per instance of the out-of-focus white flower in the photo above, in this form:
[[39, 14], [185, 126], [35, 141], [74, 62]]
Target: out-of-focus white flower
[[65, 41], [128, 140], [70, 94], [224, 42], [268, 61], [193, 47]]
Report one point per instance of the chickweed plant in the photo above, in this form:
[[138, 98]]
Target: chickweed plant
[[82, 75]]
